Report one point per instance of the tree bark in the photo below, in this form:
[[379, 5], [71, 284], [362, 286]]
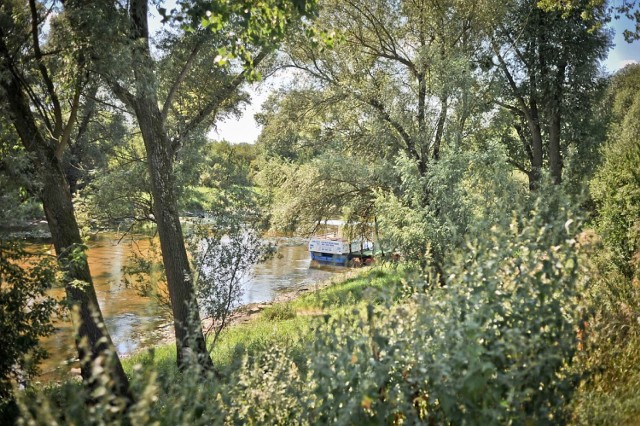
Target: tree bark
[[555, 159], [533, 122], [555, 126], [442, 118], [186, 316], [93, 340]]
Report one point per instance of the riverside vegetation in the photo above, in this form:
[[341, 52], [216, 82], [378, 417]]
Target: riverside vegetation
[[479, 142]]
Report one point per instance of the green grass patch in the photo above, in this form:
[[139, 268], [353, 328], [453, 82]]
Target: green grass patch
[[279, 325], [365, 287], [279, 312]]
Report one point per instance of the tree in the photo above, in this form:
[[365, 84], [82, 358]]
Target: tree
[[404, 63], [616, 186], [615, 9], [319, 160], [545, 59], [136, 85], [404, 75], [37, 87]]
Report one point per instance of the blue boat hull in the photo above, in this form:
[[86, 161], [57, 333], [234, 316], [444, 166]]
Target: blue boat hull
[[334, 259]]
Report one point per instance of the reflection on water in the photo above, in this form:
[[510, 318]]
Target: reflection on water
[[135, 322], [289, 269]]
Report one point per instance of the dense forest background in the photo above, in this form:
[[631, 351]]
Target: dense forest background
[[481, 142]]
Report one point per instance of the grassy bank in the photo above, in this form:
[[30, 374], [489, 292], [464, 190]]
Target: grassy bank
[[285, 324]]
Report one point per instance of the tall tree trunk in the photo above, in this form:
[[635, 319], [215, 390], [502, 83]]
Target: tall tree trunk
[[533, 123], [422, 124], [93, 340], [555, 125], [555, 158], [442, 118], [186, 316]]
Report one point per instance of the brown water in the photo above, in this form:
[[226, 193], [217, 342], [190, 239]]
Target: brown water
[[136, 322]]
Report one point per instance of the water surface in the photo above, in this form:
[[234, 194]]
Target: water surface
[[135, 322]]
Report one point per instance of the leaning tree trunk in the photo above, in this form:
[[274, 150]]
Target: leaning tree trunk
[[93, 340], [186, 316]]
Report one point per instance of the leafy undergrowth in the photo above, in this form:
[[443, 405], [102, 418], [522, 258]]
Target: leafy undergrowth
[[285, 324], [491, 346]]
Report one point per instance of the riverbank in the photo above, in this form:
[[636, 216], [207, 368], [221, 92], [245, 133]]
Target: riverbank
[[286, 322], [289, 324], [136, 322], [251, 312]]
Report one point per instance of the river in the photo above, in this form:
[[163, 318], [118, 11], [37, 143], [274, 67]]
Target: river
[[136, 322]]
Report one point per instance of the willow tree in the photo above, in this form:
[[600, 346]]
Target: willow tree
[[403, 74], [404, 63], [123, 50], [43, 77], [546, 60]]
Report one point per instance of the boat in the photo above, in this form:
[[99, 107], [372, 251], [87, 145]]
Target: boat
[[336, 250]]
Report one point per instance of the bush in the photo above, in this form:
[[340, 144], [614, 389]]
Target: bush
[[616, 186], [279, 312], [611, 341], [490, 347], [25, 316]]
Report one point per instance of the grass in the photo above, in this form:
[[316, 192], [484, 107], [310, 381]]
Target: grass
[[286, 324]]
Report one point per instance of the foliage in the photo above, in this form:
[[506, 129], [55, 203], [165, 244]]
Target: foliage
[[279, 312], [17, 181], [407, 122], [547, 88], [225, 252], [119, 192], [616, 186], [470, 191], [627, 8], [245, 24], [611, 340], [488, 348], [492, 346], [25, 316], [329, 186], [228, 244]]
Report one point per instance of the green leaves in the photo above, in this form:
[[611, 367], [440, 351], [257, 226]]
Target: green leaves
[[248, 26], [616, 186], [25, 315]]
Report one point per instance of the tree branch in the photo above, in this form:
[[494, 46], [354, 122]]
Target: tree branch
[[178, 81], [66, 134], [57, 111], [510, 79], [216, 100]]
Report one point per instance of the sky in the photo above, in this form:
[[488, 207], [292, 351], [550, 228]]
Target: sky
[[245, 128]]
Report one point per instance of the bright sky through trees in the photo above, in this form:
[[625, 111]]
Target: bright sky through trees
[[245, 129]]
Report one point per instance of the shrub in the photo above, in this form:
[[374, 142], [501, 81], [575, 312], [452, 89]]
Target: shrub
[[279, 312], [25, 316], [490, 347]]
